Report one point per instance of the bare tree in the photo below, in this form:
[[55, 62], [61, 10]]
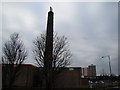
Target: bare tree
[[61, 53], [13, 56]]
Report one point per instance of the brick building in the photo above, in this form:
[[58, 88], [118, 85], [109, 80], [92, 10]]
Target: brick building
[[31, 76], [89, 71], [70, 77]]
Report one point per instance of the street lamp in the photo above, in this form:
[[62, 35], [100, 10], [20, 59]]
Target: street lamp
[[109, 62]]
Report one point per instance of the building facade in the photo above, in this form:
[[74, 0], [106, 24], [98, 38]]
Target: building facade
[[31, 76], [85, 71], [89, 71]]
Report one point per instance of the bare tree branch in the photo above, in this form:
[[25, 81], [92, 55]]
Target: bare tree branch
[[61, 53], [13, 56]]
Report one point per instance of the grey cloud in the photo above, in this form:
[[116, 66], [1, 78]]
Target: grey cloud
[[91, 29]]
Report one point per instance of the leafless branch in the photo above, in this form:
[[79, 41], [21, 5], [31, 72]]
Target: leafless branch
[[13, 56], [61, 53]]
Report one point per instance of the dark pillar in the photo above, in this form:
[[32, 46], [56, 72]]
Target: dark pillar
[[49, 49]]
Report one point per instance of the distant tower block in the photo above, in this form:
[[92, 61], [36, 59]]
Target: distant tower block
[[92, 70]]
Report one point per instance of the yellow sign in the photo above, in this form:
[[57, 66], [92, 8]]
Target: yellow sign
[[71, 69]]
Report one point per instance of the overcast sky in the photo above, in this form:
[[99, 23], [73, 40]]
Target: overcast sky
[[91, 29]]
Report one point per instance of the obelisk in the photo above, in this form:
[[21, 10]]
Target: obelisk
[[48, 58], [49, 41]]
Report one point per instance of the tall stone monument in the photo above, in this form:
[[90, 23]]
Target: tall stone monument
[[48, 58]]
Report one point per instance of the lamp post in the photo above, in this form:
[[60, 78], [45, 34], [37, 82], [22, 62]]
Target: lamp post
[[109, 62]]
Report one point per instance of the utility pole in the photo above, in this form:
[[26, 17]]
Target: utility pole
[[109, 63]]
